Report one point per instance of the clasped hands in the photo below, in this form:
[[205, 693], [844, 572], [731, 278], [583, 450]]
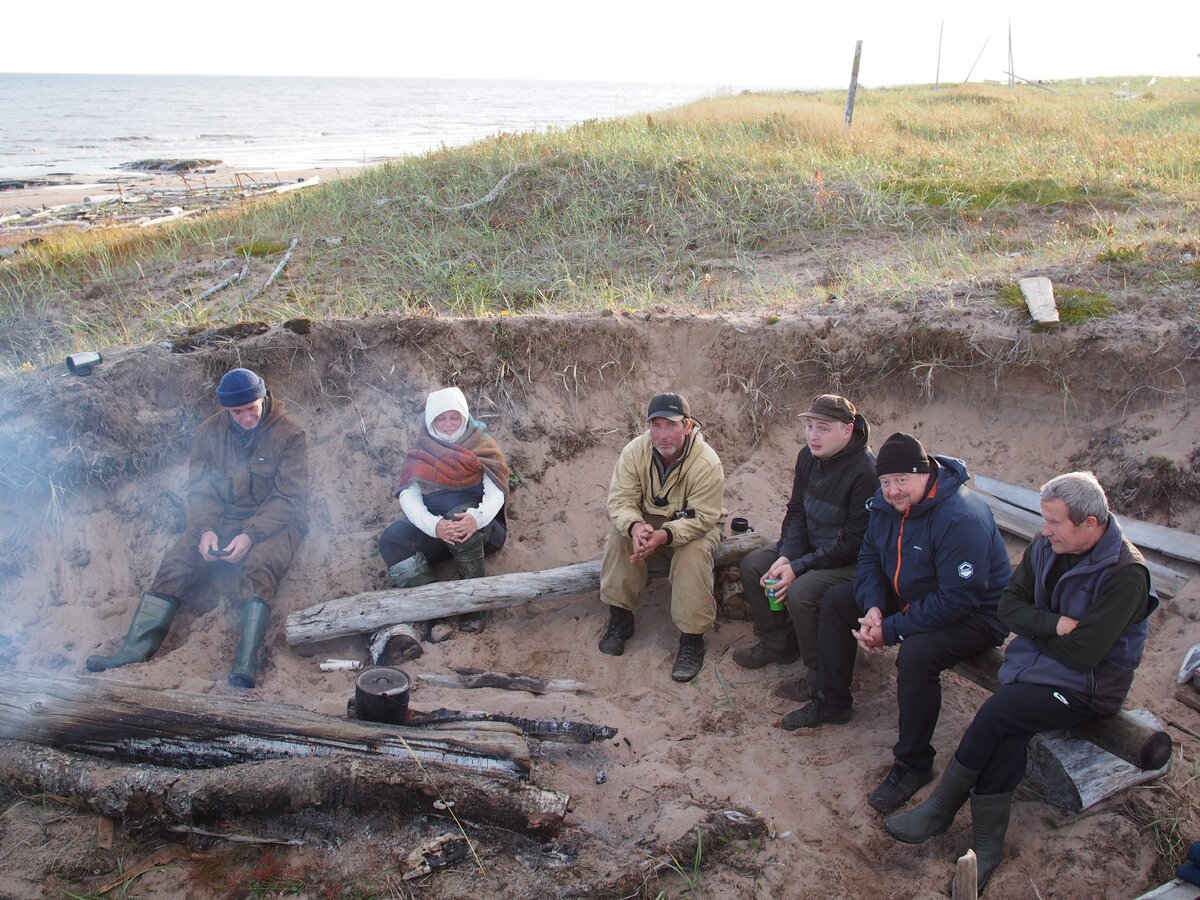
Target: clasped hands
[[457, 529], [870, 631], [646, 539]]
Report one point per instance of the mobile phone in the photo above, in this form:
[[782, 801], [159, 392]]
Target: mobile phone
[[219, 553]]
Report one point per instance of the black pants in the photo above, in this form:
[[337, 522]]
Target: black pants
[[919, 664], [996, 742]]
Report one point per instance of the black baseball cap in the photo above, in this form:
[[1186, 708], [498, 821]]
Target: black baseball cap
[[668, 406]]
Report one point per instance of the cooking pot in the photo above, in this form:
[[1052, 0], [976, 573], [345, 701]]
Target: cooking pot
[[381, 695]]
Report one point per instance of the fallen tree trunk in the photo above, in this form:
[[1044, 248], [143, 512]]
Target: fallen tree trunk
[[1124, 735], [508, 681], [370, 611], [170, 797], [106, 718]]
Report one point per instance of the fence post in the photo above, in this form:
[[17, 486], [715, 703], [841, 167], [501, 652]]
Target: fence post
[[853, 85]]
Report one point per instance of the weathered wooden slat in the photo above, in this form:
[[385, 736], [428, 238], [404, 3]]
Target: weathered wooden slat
[[1145, 535], [1167, 582], [370, 611], [1038, 292], [1128, 735]]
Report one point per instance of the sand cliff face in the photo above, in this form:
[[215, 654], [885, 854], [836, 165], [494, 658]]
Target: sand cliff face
[[92, 471]]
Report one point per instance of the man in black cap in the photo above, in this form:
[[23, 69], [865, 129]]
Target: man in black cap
[[665, 497], [929, 578], [246, 515], [822, 531]]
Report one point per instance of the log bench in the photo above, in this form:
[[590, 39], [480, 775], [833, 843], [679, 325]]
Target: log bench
[[1076, 769]]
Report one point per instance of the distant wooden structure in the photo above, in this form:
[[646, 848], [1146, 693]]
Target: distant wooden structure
[[1039, 298], [853, 85]]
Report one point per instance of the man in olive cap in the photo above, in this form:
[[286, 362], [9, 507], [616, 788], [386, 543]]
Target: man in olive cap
[[246, 514], [929, 578], [665, 498], [822, 530]]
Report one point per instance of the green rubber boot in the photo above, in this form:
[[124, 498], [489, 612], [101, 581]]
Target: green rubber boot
[[255, 616], [989, 822], [411, 572], [936, 814], [151, 621], [468, 559]]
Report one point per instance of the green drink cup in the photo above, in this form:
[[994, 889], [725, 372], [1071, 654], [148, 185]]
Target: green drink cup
[[776, 603]]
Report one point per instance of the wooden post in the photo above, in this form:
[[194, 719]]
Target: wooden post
[[966, 878], [1012, 84], [853, 85], [974, 64], [937, 74]]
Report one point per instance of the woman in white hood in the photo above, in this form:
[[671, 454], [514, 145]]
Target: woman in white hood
[[453, 488]]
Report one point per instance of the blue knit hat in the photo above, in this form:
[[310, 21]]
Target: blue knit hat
[[239, 387]]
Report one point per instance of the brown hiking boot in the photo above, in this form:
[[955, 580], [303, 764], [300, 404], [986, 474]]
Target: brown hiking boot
[[798, 690], [758, 656]]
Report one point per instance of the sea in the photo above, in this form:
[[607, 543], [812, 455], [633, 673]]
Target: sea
[[87, 125]]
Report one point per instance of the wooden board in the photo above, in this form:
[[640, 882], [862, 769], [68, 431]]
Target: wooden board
[[1145, 536], [1166, 581], [1039, 297]]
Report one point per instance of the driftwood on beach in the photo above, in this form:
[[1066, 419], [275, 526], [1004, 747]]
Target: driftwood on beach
[[370, 611], [330, 757]]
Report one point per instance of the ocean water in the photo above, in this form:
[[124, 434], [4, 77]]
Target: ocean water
[[86, 125]]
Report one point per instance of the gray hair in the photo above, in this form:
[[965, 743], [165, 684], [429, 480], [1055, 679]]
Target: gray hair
[[1081, 493]]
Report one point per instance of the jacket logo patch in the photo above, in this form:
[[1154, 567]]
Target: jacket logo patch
[[965, 570]]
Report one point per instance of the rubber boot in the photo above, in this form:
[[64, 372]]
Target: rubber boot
[[255, 616], [936, 814], [468, 559], [989, 821], [411, 572], [151, 621]]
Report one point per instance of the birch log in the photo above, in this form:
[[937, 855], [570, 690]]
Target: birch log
[[370, 611]]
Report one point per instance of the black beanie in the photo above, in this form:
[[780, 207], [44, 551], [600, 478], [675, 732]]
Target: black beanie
[[901, 453]]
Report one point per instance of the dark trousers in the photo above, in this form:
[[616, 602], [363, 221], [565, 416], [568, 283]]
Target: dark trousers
[[402, 539], [183, 569], [995, 744], [919, 664]]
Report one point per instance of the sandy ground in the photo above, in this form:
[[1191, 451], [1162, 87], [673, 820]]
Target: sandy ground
[[93, 478]]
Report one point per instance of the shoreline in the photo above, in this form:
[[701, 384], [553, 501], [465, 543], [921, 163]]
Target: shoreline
[[74, 189]]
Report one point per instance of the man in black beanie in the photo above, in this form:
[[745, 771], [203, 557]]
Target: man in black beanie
[[929, 577], [247, 513]]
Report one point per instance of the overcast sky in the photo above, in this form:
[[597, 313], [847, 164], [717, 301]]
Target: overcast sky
[[751, 43]]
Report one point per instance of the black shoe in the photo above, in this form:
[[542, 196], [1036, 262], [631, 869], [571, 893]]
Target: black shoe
[[473, 622], [814, 714], [898, 786], [798, 690], [690, 658], [758, 656], [619, 630]]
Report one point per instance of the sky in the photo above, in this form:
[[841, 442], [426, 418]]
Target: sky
[[751, 43]]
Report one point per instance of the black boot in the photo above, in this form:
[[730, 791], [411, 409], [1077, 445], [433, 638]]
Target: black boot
[[151, 621], [468, 559], [690, 658], [989, 821], [619, 630], [937, 812], [255, 616]]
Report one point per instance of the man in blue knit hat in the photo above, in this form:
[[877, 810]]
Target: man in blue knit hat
[[246, 514]]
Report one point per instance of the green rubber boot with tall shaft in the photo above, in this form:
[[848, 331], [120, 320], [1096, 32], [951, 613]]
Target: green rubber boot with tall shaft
[[936, 814], [989, 822], [412, 571], [468, 559], [151, 621], [255, 617]]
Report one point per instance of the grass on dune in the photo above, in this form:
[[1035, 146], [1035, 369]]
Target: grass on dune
[[642, 210]]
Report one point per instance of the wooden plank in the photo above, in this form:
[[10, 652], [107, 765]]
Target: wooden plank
[[966, 878], [1167, 582], [1171, 542], [1039, 297], [1173, 890]]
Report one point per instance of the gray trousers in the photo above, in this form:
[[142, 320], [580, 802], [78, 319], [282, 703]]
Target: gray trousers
[[795, 627]]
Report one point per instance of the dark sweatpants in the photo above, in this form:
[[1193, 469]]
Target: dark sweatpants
[[183, 569], [919, 664], [996, 741]]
